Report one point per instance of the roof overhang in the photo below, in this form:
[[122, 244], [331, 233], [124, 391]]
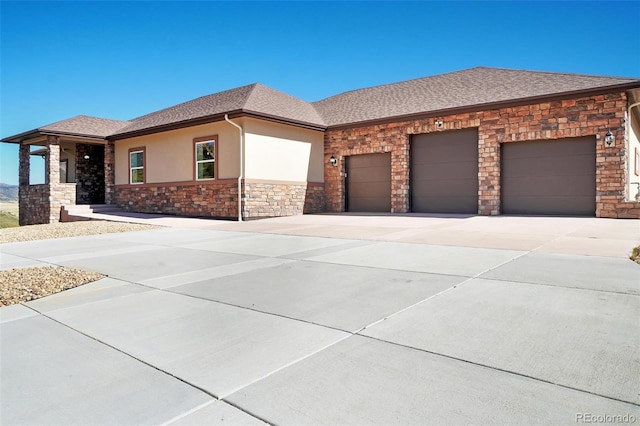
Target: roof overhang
[[493, 105], [212, 119], [36, 135]]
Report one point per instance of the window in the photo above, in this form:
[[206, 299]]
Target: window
[[136, 166], [64, 167], [205, 149]]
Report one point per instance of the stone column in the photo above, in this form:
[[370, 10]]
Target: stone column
[[25, 162], [52, 161], [52, 177], [23, 181], [109, 173]]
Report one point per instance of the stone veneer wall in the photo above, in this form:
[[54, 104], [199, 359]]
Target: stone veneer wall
[[109, 172], [61, 194], [90, 174], [34, 207], [219, 199], [207, 199], [584, 116], [42, 203], [266, 199]]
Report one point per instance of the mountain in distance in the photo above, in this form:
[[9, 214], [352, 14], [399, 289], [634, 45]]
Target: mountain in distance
[[8, 192]]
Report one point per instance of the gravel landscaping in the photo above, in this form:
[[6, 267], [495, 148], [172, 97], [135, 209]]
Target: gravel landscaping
[[23, 284], [68, 229]]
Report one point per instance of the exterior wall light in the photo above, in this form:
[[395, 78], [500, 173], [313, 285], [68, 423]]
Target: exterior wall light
[[609, 139], [333, 161]]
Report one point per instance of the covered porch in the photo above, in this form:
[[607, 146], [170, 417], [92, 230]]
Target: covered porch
[[77, 170]]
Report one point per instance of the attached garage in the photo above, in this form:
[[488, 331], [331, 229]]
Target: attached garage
[[369, 183], [444, 172], [549, 177]]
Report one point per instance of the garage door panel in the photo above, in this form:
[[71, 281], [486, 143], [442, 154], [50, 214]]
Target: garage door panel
[[452, 187], [444, 172], [560, 148], [539, 206], [370, 174], [434, 204], [369, 160], [532, 166], [369, 183], [549, 186], [370, 189], [456, 149], [464, 169], [549, 177], [369, 204]]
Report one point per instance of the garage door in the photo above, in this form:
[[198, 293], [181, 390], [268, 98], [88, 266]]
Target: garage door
[[549, 177], [444, 172], [369, 183]]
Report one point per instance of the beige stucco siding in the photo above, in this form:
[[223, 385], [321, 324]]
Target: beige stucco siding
[[634, 147], [279, 152], [170, 154]]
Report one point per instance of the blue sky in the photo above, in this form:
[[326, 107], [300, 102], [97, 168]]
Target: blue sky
[[121, 60]]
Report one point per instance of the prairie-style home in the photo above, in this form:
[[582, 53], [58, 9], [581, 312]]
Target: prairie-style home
[[481, 141]]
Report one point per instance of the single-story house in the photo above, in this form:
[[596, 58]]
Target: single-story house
[[482, 141]]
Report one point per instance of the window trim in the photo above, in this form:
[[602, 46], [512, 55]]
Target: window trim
[[143, 167], [196, 141]]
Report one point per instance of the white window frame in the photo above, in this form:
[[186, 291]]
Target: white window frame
[[198, 162], [131, 168]]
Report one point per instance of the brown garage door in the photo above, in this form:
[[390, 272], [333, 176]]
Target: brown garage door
[[549, 177], [444, 172], [369, 183]]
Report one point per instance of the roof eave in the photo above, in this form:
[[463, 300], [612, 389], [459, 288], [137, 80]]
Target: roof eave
[[489, 105], [174, 126], [73, 135], [20, 137], [291, 122], [212, 119], [31, 134]]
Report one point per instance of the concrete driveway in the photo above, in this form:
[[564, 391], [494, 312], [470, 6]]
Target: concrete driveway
[[332, 319]]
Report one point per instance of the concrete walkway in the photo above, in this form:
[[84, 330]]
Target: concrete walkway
[[332, 319]]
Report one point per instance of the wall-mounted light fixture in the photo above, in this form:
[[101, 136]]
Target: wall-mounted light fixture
[[86, 157], [333, 161], [609, 139], [439, 124]]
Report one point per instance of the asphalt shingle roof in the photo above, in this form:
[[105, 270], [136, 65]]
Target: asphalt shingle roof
[[461, 89], [256, 98], [84, 125], [475, 86]]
